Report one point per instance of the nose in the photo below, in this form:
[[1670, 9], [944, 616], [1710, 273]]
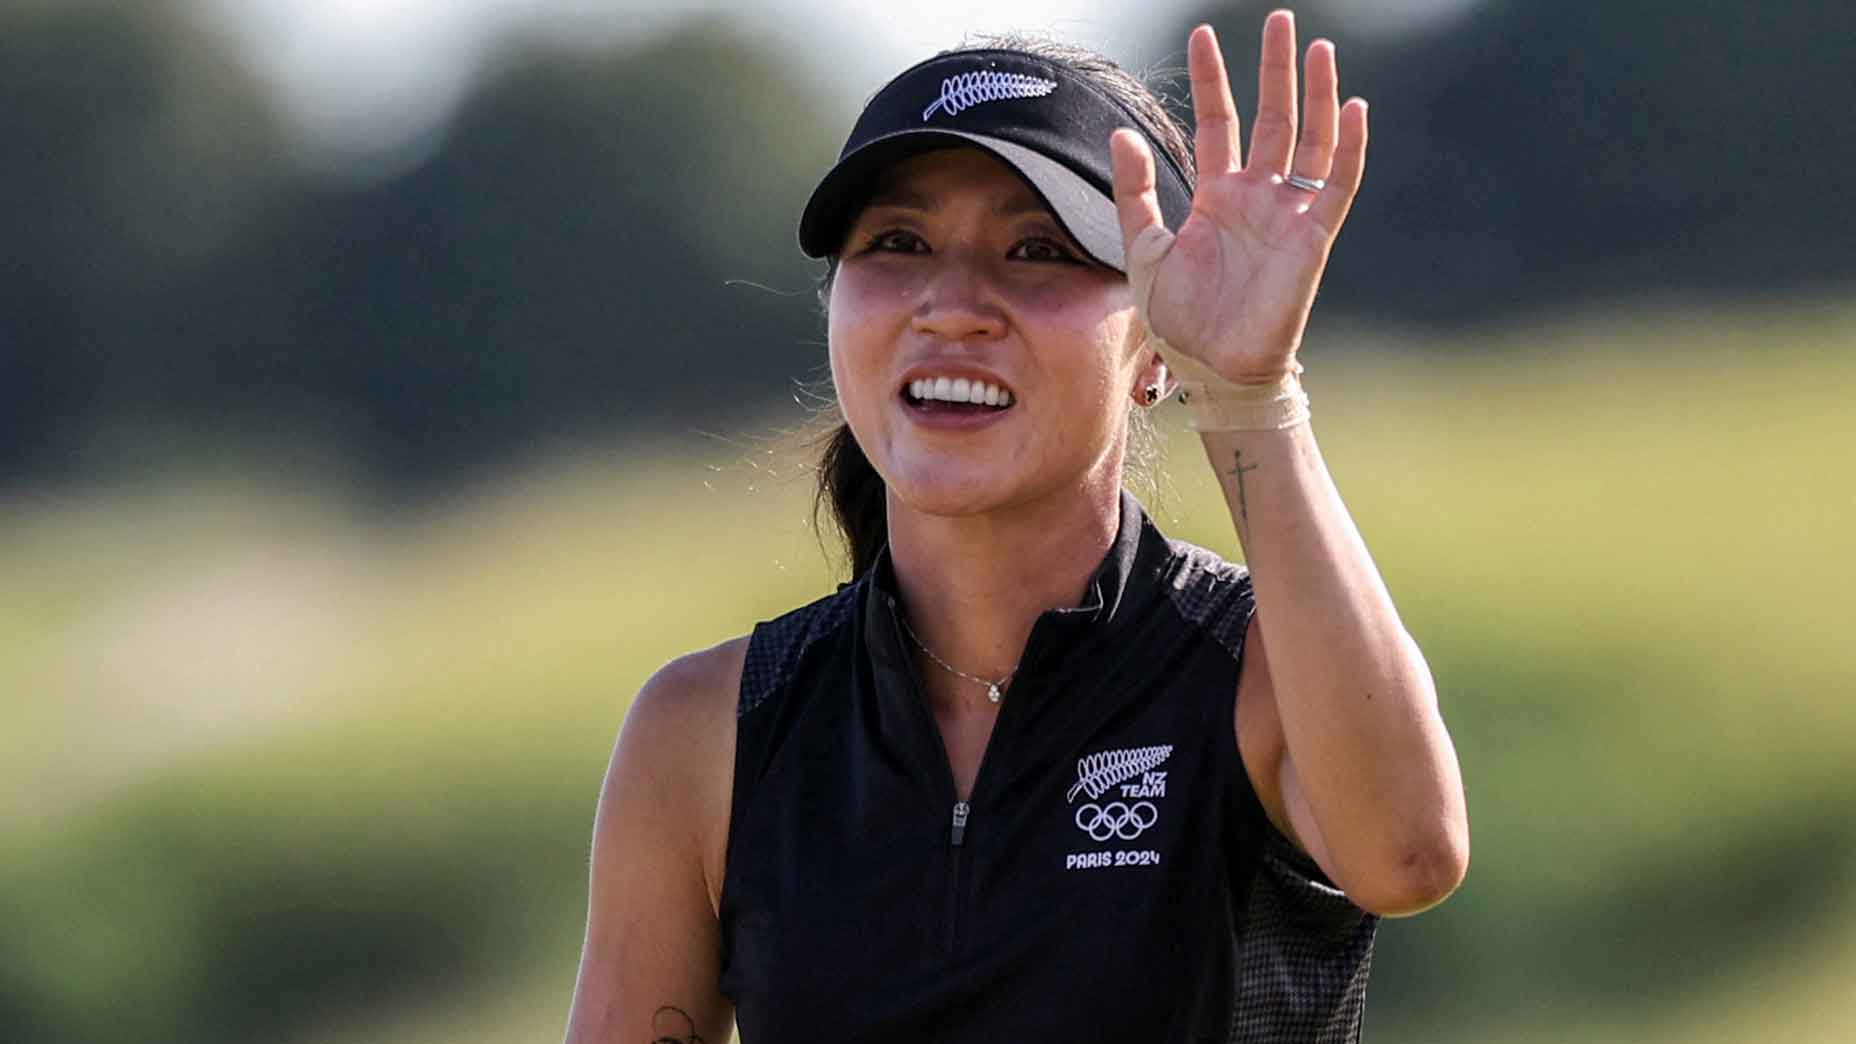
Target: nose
[[957, 302]]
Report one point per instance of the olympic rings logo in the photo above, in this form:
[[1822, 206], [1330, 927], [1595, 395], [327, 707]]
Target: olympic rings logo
[[1116, 819]]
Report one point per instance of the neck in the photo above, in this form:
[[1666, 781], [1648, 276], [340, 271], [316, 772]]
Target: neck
[[973, 586]]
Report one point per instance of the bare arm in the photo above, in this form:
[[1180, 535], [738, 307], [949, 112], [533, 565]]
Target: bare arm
[[1336, 710], [652, 956]]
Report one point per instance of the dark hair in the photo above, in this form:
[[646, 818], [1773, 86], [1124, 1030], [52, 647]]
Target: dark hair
[[847, 484]]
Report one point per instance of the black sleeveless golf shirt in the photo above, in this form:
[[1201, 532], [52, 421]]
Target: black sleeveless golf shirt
[[1112, 877]]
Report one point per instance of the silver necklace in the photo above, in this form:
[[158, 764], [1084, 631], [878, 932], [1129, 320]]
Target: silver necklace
[[992, 687]]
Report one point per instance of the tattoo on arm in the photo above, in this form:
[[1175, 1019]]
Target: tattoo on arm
[[669, 1022], [1243, 502]]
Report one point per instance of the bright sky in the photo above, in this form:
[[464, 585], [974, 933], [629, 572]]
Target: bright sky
[[366, 76]]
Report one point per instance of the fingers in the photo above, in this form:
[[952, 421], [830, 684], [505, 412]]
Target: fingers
[[1216, 145], [1272, 137], [1314, 154], [1331, 204]]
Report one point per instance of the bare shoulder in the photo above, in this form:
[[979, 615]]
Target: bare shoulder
[[690, 697], [678, 748]]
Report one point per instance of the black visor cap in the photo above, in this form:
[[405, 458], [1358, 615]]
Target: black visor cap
[[1043, 120]]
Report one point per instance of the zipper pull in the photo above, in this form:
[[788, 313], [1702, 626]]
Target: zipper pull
[[960, 822]]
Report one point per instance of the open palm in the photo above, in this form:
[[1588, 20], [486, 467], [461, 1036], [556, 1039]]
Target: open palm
[[1231, 289]]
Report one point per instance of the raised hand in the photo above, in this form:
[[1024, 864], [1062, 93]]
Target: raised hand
[[1231, 288]]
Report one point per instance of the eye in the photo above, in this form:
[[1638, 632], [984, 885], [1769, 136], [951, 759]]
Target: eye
[[896, 241], [1042, 249]]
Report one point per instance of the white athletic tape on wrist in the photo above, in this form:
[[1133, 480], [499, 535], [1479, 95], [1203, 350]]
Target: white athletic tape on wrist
[[1245, 407]]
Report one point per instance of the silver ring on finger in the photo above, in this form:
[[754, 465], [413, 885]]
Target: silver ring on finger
[[1306, 184]]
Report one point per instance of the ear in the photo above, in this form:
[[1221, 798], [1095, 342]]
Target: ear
[[1154, 372]]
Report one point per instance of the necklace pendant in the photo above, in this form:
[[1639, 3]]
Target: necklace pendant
[[993, 693]]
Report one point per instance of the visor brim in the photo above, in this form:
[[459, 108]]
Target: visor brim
[[1083, 209]]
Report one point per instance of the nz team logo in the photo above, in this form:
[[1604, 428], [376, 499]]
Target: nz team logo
[[1121, 786]]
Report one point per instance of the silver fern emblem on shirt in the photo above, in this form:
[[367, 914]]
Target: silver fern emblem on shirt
[[1096, 773], [976, 88]]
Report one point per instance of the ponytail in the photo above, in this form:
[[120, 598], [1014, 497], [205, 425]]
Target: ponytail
[[856, 497]]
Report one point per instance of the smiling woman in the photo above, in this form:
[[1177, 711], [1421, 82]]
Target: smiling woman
[[854, 492], [1039, 771]]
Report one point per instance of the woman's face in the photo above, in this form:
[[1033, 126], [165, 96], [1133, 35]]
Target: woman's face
[[955, 269]]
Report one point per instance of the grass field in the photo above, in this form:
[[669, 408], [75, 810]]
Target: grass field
[[275, 764]]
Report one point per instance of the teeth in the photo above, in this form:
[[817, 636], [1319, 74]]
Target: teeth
[[959, 389]]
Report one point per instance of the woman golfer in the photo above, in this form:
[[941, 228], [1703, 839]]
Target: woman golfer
[[1039, 772]]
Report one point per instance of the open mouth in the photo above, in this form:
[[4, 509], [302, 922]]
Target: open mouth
[[956, 395]]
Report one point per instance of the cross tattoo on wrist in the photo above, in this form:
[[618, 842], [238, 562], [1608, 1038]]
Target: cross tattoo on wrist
[[1243, 502]]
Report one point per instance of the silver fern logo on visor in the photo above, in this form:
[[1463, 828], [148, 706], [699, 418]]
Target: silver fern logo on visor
[[977, 88]]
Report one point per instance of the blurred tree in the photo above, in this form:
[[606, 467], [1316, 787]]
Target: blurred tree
[[561, 266], [1527, 156], [584, 252], [138, 156]]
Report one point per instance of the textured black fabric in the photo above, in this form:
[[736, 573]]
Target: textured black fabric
[[776, 648], [1304, 954], [1116, 879]]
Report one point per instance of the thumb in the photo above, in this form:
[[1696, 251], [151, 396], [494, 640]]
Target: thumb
[[1145, 243], [1144, 236], [1137, 205]]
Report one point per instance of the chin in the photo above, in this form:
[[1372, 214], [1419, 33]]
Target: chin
[[952, 492]]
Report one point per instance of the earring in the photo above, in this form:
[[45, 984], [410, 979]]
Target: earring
[[1153, 394]]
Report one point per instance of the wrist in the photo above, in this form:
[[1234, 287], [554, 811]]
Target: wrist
[[1266, 405]]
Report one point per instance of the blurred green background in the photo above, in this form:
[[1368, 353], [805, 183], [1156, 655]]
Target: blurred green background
[[386, 390]]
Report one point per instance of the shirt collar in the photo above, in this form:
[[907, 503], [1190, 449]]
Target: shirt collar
[[1127, 573]]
